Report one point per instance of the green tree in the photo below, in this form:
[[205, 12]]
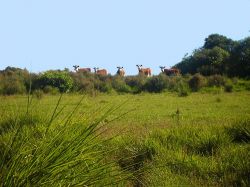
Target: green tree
[[240, 59], [216, 40]]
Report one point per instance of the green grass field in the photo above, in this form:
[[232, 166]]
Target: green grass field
[[126, 140]]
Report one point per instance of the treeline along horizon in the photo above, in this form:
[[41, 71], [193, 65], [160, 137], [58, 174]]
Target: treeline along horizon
[[219, 62]]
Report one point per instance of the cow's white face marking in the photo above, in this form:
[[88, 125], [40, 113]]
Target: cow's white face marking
[[76, 67], [95, 69], [162, 68]]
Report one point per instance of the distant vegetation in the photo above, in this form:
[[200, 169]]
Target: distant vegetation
[[19, 81], [219, 55], [219, 63]]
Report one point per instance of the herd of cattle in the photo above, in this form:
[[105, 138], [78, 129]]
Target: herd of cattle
[[121, 71]]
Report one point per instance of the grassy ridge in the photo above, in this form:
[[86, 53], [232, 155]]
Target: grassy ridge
[[163, 140]]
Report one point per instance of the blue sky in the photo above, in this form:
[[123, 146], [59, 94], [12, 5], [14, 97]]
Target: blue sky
[[56, 34]]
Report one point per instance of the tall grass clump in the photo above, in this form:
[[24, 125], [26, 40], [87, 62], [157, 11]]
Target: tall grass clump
[[57, 154], [195, 141], [240, 131], [182, 89], [134, 156], [234, 165]]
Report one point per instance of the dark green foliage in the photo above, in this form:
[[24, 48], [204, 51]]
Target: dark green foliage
[[223, 42], [219, 55], [196, 82], [240, 59]]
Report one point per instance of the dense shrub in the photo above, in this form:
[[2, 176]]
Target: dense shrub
[[120, 86], [136, 83], [57, 79], [103, 87], [196, 82], [156, 84], [18, 81], [14, 81], [182, 89], [11, 85], [216, 80]]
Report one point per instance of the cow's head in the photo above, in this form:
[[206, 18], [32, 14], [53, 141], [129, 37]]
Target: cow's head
[[96, 69], [75, 67], [162, 68], [139, 67]]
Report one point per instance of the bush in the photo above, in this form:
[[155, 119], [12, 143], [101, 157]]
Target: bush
[[156, 84], [174, 82], [216, 80], [58, 79], [103, 87], [84, 85], [14, 81], [120, 86], [196, 82], [183, 90], [228, 87], [136, 83], [12, 86], [50, 90]]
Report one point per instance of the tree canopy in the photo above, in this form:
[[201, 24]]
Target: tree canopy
[[219, 55]]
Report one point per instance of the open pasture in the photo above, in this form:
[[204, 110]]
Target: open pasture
[[143, 110], [156, 139]]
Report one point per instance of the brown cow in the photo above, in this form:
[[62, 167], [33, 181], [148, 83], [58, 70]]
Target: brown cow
[[100, 71], [120, 71], [170, 72], [83, 70], [144, 71]]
